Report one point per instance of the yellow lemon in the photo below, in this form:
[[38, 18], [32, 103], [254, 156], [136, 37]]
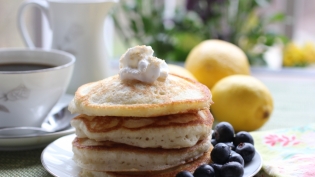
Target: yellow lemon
[[293, 56], [309, 52], [212, 60], [175, 69], [243, 101]]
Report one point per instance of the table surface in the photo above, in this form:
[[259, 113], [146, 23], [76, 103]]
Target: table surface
[[293, 91]]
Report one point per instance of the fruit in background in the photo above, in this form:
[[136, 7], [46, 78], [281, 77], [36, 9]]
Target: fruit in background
[[243, 101], [212, 60], [309, 52], [175, 69], [293, 56], [296, 56]]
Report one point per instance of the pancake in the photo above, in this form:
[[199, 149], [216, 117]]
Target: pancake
[[169, 131], [114, 157], [171, 172], [114, 97]]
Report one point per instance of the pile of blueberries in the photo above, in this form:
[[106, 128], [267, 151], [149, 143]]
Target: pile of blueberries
[[230, 153]]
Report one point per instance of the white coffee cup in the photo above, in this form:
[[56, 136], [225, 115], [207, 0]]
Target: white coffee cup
[[77, 27], [27, 95]]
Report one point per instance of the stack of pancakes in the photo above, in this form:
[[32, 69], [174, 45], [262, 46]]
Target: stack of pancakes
[[131, 128]]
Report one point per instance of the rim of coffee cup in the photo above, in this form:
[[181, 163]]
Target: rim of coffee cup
[[54, 51]]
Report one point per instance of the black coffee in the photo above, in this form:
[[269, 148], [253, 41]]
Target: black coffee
[[23, 66]]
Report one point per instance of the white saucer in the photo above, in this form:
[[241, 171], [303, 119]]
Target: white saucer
[[57, 159], [36, 141]]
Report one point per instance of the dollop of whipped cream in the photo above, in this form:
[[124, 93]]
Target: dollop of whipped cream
[[138, 63]]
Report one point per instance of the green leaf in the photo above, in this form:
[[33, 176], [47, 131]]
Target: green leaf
[[279, 17]]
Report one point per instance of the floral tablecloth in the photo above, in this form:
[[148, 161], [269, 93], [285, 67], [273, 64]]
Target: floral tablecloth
[[287, 152]]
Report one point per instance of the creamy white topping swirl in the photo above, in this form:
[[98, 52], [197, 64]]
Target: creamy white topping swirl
[[138, 63]]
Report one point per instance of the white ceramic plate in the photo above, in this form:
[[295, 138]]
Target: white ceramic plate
[[35, 141], [57, 159]]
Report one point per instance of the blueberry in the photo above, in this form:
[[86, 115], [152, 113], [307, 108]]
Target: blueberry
[[217, 169], [204, 170], [232, 169], [220, 153], [233, 152], [213, 142], [235, 157], [246, 150], [243, 137], [230, 144], [224, 132], [184, 174], [213, 135]]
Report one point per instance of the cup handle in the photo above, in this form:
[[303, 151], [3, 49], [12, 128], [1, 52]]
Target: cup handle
[[43, 6]]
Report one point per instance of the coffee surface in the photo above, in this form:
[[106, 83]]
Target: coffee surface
[[23, 66]]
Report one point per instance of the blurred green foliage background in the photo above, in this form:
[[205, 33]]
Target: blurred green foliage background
[[143, 22]]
